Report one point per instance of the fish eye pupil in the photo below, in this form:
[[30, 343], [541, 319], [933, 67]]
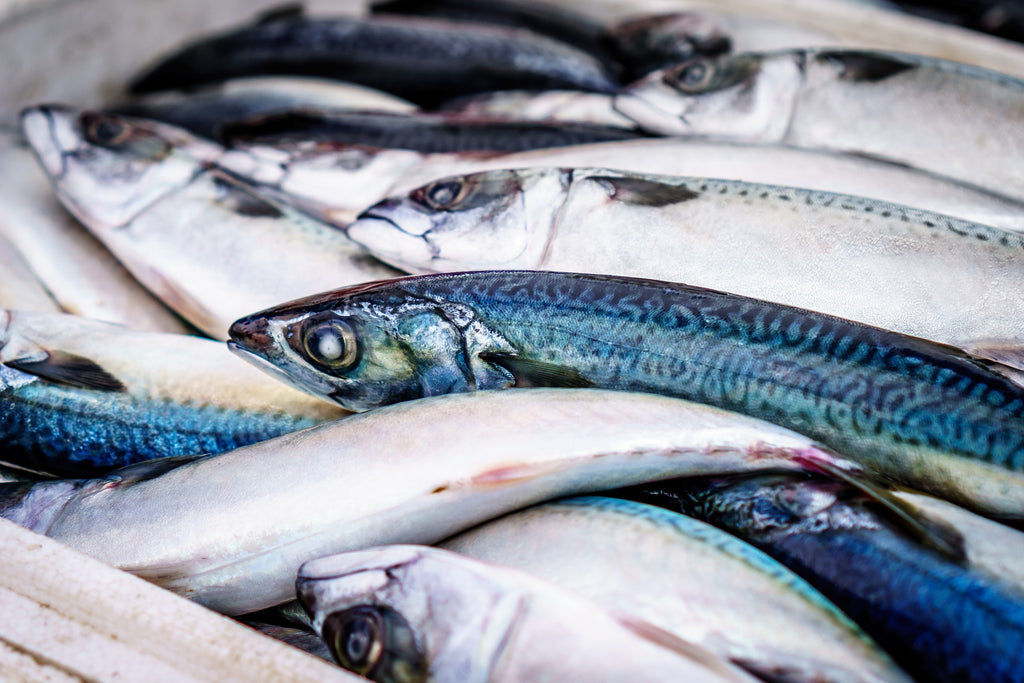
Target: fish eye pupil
[[331, 344], [106, 132], [693, 74], [359, 639], [443, 194], [356, 637]]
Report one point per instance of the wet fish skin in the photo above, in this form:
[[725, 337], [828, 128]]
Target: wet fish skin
[[957, 281], [444, 617], [425, 61], [205, 111], [689, 578], [829, 99], [230, 531], [81, 397], [204, 242], [914, 411], [939, 620], [19, 286]]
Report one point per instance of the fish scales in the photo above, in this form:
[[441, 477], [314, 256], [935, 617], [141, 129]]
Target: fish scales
[[914, 410]]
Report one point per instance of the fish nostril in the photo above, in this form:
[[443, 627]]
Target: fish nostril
[[251, 333]]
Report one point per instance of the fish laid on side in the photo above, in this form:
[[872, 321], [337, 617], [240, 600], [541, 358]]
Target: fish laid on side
[[231, 530], [413, 613], [426, 61], [203, 112], [83, 277], [917, 412], [944, 117], [911, 271], [939, 620], [686, 577], [334, 183], [81, 397], [203, 242]]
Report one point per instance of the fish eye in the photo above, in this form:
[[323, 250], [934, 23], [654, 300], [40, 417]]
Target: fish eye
[[693, 76], [356, 638], [443, 195], [331, 344], [104, 130]]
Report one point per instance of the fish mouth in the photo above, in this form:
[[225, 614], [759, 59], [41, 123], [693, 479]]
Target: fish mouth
[[388, 241], [358, 561], [51, 131], [648, 115]]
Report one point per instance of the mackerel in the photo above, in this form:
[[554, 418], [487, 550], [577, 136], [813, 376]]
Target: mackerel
[[881, 264], [913, 411], [81, 397], [203, 242], [686, 577], [231, 530], [832, 98], [412, 613], [941, 621], [19, 286]]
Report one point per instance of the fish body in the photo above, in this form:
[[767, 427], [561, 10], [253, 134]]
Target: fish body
[[422, 60], [81, 397], [204, 112], [686, 577], [432, 615], [202, 241], [335, 183], [230, 531], [913, 271], [947, 118], [915, 411], [939, 620], [547, 105], [19, 286]]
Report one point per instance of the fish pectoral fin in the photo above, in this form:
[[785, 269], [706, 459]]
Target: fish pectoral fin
[[1004, 358], [149, 469], [933, 534], [67, 368], [533, 373]]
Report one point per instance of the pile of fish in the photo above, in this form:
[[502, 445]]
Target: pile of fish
[[759, 294]]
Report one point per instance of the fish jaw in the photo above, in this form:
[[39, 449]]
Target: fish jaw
[[107, 185], [501, 219]]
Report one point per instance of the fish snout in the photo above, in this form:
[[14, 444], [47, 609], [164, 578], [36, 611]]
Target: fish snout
[[51, 132], [251, 333]]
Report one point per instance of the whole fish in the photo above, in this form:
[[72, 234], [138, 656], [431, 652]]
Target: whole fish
[[81, 397], [947, 118], [913, 271], [412, 613], [939, 620], [204, 112], [419, 132], [423, 60], [917, 412], [334, 183], [231, 530], [83, 277], [200, 240], [686, 577]]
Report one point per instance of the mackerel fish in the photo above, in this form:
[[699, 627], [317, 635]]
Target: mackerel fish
[[944, 117], [231, 530], [890, 266], [687, 577], [920, 413], [412, 613]]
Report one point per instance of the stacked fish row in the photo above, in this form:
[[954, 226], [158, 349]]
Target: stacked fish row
[[832, 347]]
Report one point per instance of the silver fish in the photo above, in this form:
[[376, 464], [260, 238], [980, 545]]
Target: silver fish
[[413, 613], [687, 577], [201, 241], [19, 286], [914, 272], [231, 530], [834, 99]]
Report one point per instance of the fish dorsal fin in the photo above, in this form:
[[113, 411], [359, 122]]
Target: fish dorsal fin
[[931, 533], [291, 10], [67, 368], [534, 373]]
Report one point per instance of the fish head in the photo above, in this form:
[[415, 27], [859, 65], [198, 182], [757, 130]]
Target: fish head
[[740, 97], [409, 613], [107, 169], [479, 221], [656, 40], [372, 344]]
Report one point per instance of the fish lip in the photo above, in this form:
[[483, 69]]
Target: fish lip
[[647, 115], [357, 561], [39, 127]]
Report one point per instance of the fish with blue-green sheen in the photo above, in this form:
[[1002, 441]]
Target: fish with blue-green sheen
[[940, 116], [687, 577], [230, 530], [940, 620], [418, 614], [921, 413], [80, 397], [908, 270]]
